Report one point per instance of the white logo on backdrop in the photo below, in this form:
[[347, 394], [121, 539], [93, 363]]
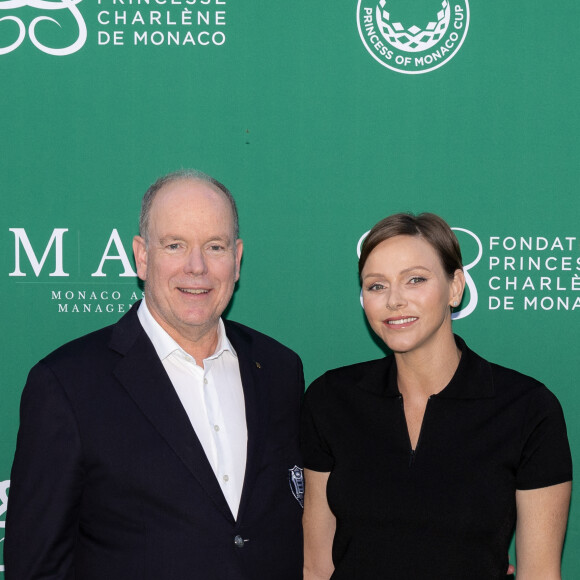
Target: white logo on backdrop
[[467, 310], [69, 5], [413, 39], [49, 260], [406, 47], [4, 485], [358, 248]]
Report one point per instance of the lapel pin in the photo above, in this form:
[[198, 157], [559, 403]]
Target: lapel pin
[[258, 365]]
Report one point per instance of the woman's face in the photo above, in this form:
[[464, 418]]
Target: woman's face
[[407, 295]]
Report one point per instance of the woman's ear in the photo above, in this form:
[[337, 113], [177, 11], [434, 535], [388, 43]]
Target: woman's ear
[[456, 288]]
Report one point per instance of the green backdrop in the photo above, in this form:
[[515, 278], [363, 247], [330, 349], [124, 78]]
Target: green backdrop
[[318, 139]]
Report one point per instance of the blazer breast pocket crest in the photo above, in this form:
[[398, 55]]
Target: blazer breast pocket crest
[[296, 480]]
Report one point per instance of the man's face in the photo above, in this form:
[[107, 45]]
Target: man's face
[[191, 260]]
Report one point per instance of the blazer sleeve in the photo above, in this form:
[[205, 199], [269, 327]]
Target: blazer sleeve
[[46, 484]]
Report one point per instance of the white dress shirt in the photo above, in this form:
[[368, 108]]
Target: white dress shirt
[[213, 399]]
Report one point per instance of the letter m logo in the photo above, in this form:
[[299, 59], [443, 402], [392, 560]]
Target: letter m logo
[[21, 239]]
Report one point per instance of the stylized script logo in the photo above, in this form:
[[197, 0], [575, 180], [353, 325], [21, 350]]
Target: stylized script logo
[[4, 485], [468, 279], [390, 32], [463, 312], [70, 5]]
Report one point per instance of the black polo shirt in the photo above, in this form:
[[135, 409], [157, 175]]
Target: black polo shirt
[[446, 509]]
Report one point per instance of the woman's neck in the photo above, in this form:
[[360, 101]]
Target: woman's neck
[[427, 371]]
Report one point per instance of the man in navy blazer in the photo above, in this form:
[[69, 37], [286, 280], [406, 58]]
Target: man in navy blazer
[[131, 437]]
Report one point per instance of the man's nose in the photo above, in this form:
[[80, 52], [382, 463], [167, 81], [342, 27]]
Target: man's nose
[[196, 263]]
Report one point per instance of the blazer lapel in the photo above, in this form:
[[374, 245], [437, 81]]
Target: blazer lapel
[[256, 402], [141, 373]]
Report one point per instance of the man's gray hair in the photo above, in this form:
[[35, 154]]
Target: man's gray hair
[[183, 175]]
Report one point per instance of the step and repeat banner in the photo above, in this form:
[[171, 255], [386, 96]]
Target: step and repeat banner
[[322, 118]]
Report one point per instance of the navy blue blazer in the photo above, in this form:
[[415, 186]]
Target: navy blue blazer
[[109, 480]]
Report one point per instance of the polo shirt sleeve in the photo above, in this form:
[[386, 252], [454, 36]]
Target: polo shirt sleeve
[[316, 452], [545, 452]]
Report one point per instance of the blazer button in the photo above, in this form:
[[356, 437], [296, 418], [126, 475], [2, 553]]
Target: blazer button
[[239, 541]]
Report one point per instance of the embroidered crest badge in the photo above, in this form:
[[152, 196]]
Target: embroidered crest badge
[[296, 480]]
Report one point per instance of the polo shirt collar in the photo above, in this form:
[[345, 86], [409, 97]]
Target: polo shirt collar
[[473, 378]]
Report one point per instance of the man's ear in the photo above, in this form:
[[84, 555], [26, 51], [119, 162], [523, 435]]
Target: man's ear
[[239, 251], [140, 253]]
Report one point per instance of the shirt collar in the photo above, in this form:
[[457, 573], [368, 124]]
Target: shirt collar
[[165, 345], [473, 378]]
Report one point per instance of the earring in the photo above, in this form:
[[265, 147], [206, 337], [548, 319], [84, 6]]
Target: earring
[[455, 303]]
